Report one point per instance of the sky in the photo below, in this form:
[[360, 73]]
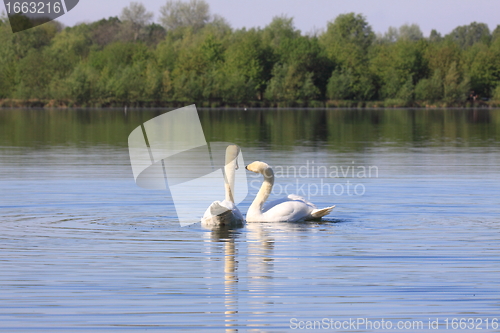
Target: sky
[[310, 15]]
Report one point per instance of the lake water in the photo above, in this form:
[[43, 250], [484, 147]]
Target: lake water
[[414, 240]]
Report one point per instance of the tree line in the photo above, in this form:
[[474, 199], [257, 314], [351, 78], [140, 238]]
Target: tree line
[[191, 56]]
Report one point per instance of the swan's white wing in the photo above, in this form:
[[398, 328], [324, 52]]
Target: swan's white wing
[[295, 197], [293, 208], [287, 211]]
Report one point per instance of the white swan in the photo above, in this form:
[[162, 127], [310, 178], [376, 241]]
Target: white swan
[[290, 209], [225, 213]]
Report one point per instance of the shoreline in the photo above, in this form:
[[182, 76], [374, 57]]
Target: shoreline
[[256, 105]]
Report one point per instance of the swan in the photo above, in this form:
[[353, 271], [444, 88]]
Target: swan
[[290, 209], [225, 213]]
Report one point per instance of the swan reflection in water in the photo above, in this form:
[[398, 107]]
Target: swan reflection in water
[[227, 237], [260, 255], [249, 271], [259, 264]]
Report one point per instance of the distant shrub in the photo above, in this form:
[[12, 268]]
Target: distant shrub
[[430, 89], [496, 93]]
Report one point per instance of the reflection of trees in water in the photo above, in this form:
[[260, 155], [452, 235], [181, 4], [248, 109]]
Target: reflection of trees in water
[[342, 129], [478, 116], [335, 129]]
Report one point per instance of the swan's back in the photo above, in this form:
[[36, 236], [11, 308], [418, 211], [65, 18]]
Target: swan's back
[[222, 214], [290, 197]]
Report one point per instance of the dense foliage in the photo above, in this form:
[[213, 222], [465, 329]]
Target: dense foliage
[[194, 57]]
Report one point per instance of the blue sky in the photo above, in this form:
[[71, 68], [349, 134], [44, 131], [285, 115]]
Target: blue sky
[[442, 15]]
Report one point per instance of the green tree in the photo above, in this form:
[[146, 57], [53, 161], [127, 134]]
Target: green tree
[[410, 32], [198, 59], [291, 57], [394, 63], [278, 32], [8, 61], [468, 35], [153, 81], [306, 55], [430, 89], [347, 42], [80, 85], [406, 92], [176, 14], [237, 88], [496, 33], [103, 32], [167, 52], [121, 71], [64, 53], [348, 39], [33, 76], [247, 56], [290, 84], [406, 32], [34, 38], [482, 65], [440, 56], [339, 85], [391, 36], [496, 93], [435, 36], [456, 86], [136, 16]]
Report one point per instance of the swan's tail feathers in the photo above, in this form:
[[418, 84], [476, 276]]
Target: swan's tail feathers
[[319, 213]]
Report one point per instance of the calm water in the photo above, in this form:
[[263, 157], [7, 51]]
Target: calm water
[[415, 236]]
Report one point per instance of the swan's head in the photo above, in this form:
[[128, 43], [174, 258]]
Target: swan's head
[[258, 167]]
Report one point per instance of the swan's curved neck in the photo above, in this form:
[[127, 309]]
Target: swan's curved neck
[[230, 167], [229, 170], [265, 190]]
